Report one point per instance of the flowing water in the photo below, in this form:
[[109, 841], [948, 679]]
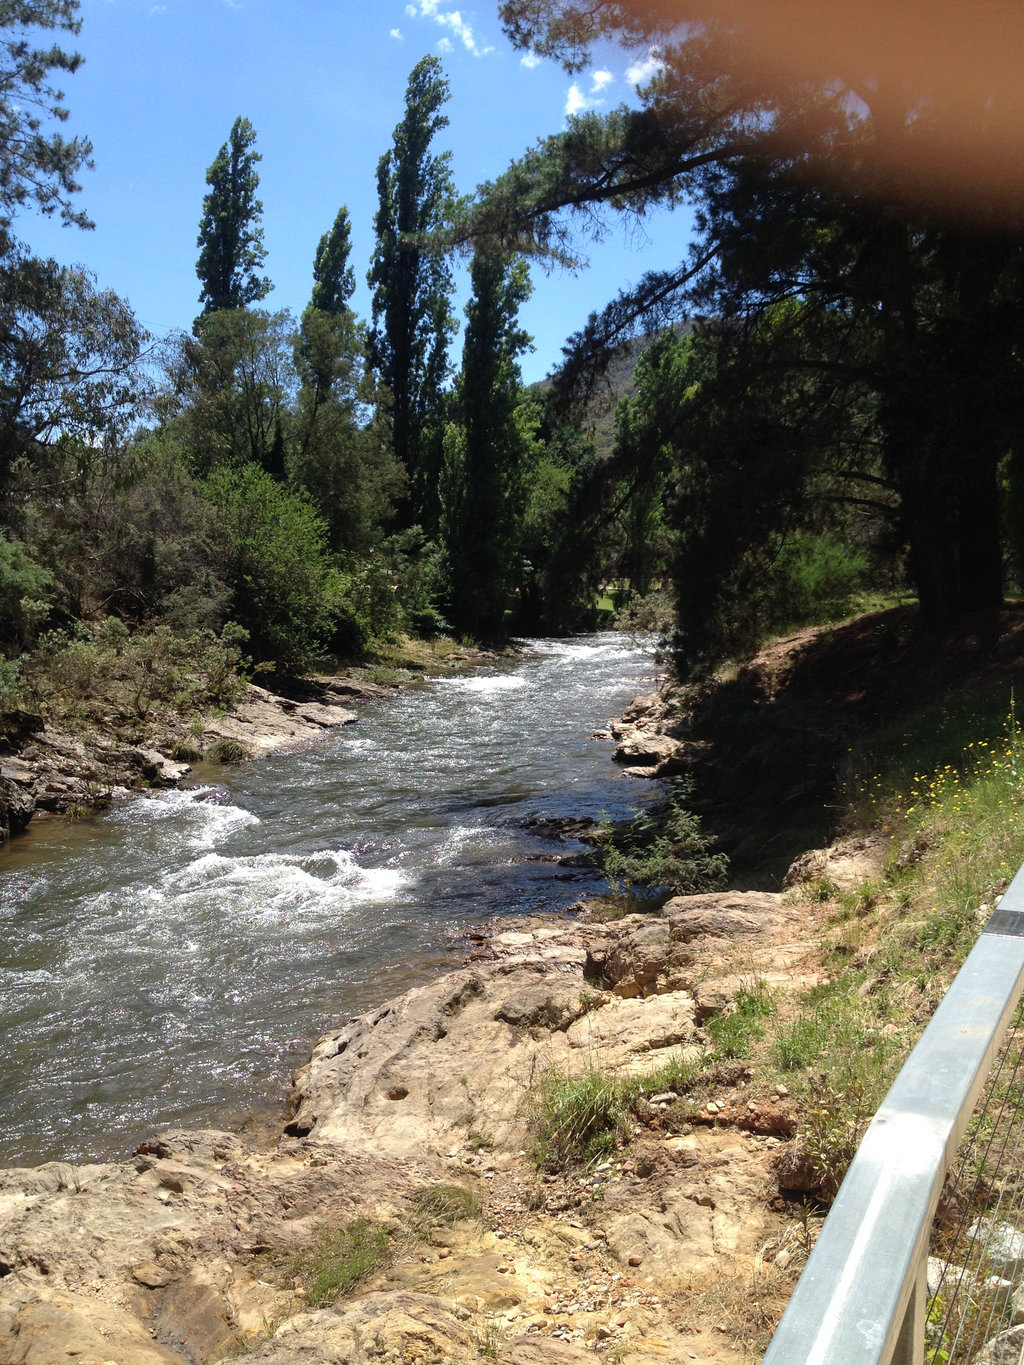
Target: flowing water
[[173, 962]]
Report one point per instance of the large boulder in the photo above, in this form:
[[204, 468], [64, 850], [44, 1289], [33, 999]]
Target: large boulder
[[17, 805]]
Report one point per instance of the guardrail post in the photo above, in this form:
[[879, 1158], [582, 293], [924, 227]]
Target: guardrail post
[[911, 1341]]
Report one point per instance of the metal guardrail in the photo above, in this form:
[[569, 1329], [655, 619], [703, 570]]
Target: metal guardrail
[[863, 1293]]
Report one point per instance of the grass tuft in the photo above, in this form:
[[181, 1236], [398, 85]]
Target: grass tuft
[[443, 1206], [339, 1258], [579, 1119]]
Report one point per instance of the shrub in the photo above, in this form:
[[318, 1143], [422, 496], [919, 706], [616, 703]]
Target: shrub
[[25, 594], [271, 547], [71, 669], [227, 751], [662, 847]]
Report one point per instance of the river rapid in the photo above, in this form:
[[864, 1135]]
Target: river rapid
[[174, 961]]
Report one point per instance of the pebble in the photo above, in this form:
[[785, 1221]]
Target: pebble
[[636, 1260]]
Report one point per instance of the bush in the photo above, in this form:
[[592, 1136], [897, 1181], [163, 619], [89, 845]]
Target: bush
[[443, 1206], [25, 595], [71, 669], [227, 751], [662, 847], [272, 551]]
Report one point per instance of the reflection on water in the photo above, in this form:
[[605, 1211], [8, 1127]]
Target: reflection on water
[[173, 961]]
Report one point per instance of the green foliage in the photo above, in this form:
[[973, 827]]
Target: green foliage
[[859, 377], [662, 847], [37, 167], [272, 551], [227, 751], [484, 479], [339, 1258], [394, 588], [25, 596], [71, 670], [230, 235], [340, 450], [333, 278], [412, 320], [578, 1119], [230, 387], [70, 378], [734, 1032]]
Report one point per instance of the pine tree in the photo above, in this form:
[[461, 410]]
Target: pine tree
[[37, 167], [230, 236], [412, 318]]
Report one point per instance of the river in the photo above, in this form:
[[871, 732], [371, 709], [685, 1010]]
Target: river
[[173, 961]]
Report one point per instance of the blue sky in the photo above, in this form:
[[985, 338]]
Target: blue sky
[[323, 82]]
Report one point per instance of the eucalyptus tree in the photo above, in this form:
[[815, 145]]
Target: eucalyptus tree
[[69, 352]]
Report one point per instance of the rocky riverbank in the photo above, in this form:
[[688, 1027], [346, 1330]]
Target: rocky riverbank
[[57, 772], [54, 770], [676, 1243], [672, 1245]]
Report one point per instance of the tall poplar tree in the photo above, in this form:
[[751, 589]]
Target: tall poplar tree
[[333, 278], [484, 486], [341, 454], [230, 234], [412, 316]]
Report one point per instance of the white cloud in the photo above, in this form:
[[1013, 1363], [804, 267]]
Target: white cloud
[[639, 73], [529, 61], [577, 100], [396, 33], [452, 20], [445, 45]]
